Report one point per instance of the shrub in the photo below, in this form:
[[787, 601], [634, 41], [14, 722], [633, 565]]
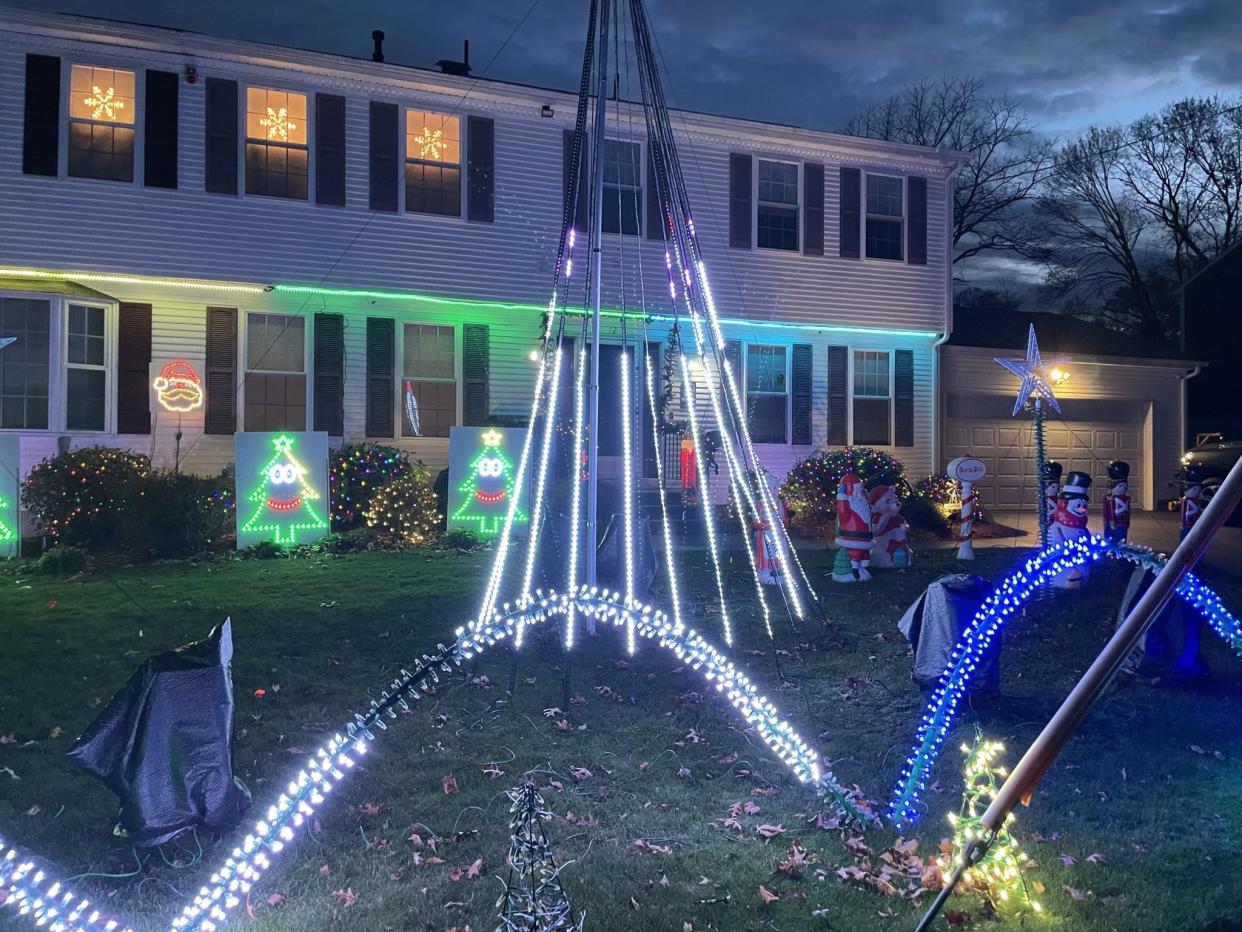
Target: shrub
[[355, 541], [921, 513], [810, 490], [460, 539], [81, 497], [179, 515], [264, 550], [945, 495], [404, 510], [356, 472], [61, 560]]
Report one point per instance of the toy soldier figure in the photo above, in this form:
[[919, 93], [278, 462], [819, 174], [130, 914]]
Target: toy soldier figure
[[1052, 485], [853, 531], [1069, 522], [1117, 502], [1194, 498]]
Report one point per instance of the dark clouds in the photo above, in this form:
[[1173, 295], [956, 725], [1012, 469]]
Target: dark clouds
[[808, 62]]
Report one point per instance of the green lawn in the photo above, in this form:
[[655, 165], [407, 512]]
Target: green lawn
[[322, 635]]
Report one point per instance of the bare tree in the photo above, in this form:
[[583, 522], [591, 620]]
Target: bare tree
[[1006, 158]]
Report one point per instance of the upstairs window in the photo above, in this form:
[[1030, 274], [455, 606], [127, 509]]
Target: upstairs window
[[872, 398], [767, 393], [276, 149], [101, 123], [24, 364], [87, 375], [275, 372], [432, 163], [778, 205], [429, 383], [623, 190], [885, 217]]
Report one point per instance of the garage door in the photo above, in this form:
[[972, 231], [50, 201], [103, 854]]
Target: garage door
[[1086, 436]]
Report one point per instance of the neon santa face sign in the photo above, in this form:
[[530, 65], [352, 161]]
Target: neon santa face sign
[[178, 387]]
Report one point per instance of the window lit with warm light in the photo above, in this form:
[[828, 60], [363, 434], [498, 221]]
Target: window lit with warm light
[[276, 143], [432, 163], [101, 123]]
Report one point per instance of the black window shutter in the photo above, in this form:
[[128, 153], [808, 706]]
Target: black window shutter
[[801, 389], [838, 396], [480, 169], [221, 137], [41, 119], [220, 416], [813, 214], [580, 207], [159, 151], [475, 365], [330, 373], [381, 388], [850, 214], [384, 162], [657, 223], [903, 398], [916, 225], [329, 149], [739, 201], [133, 368]]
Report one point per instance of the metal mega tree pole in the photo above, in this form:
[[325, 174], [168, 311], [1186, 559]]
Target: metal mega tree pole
[[596, 243]]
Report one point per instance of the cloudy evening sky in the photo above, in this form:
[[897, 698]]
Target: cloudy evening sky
[[807, 62]]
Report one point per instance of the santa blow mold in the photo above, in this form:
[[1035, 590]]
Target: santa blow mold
[[1117, 502], [1069, 522], [889, 528], [853, 531]]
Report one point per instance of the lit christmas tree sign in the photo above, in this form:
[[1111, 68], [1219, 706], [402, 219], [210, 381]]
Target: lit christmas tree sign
[[282, 487], [482, 477], [10, 473]]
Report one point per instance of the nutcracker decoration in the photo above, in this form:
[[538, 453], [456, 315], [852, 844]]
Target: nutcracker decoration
[[1117, 502], [1052, 487], [890, 530], [689, 468], [1194, 499], [766, 562], [853, 531], [1070, 523]]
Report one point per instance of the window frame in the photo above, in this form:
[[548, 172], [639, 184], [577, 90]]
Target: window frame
[[463, 123], [63, 119], [402, 376], [104, 367], [639, 188], [247, 371], [744, 353], [244, 139], [890, 398], [865, 215], [798, 207]]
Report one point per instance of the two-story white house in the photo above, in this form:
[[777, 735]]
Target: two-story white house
[[321, 236]]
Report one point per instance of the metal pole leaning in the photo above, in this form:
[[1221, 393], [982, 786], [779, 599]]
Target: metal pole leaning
[[1030, 770]]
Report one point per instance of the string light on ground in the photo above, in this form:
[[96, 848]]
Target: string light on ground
[[33, 892], [974, 646]]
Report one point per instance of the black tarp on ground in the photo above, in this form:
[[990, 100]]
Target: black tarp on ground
[[164, 745]]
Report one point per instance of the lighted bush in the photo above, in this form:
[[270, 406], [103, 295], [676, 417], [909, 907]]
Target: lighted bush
[[404, 510], [355, 473], [810, 490], [944, 494], [81, 497], [179, 515]]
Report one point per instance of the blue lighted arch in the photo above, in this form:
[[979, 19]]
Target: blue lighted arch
[[1006, 599]]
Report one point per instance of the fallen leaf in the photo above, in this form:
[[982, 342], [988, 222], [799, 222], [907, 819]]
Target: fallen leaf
[[1067, 860], [633, 903], [770, 831], [276, 899], [449, 784], [33, 811], [663, 881], [1197, 749], [1076, 894], [563, 725], [493, 771], [580, 773], [370, 809], [346, 897], [56, 732], [955, 918], [473, 870], [325, 871], [766, 895]]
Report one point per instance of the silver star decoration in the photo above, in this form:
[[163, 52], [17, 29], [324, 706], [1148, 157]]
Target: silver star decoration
[[5, 341], [1031, 372]]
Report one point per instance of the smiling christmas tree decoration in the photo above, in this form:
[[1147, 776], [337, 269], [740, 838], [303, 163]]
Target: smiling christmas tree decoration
[[488, 487], [1117, 502], [1070, 523], [285, 501]]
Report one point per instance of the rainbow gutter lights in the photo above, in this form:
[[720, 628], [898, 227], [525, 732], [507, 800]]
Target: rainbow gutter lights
[[974, 646]]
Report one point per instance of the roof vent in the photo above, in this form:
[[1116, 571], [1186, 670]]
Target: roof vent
[[457, 67]]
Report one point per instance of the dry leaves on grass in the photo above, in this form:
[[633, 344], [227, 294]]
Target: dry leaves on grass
[[580, 773], [467, 873], [646, 847], [371, 809], [898, 870], [449, 784], [768, 832], [346, 897], [766, 895]]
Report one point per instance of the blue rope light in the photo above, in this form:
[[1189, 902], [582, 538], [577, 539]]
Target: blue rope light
[[974, 645]]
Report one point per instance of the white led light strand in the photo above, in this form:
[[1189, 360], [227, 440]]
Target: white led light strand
[[669, 562], [709, 520], [49, 903], [575, 517], [627, 477]]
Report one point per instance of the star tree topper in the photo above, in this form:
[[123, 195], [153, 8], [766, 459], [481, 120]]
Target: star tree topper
[[1033, 374]]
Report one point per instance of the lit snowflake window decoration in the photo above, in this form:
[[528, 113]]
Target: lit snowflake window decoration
[[104, 104], [278, 124], [431, 144]]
